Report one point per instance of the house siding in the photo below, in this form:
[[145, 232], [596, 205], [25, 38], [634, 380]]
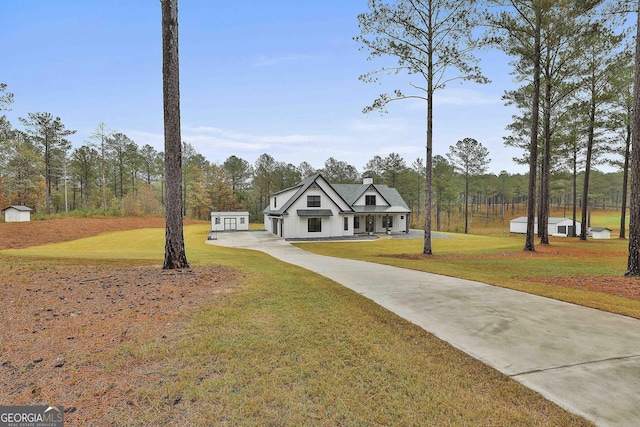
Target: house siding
[[288, 213], [297, 226]]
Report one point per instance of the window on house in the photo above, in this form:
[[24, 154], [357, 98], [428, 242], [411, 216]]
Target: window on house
[[387, 222], [314, 225], [370, 200], [356, 222], [313, 201], [562, 229], [346, 224], [275, 202]]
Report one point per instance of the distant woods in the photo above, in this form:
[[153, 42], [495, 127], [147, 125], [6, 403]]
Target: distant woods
[[133, 182]]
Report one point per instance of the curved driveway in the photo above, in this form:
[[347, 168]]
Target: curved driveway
[[586, 360]]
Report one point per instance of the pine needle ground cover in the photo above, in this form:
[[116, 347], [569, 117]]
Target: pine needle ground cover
[[240, 339]]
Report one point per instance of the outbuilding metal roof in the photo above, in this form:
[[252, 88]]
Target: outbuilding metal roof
[[18, 208]]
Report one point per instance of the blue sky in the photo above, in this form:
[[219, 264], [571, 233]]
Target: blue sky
[[256, 77]]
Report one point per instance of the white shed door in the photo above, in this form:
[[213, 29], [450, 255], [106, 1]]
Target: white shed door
[[230, 224]]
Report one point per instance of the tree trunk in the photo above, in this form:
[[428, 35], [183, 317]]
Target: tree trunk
[[466, 205], [625, 183], [174, 251], [529, 244], [587, 170], [575, 191], [633, 263], [545, 196], [427, 250], [47, 172]]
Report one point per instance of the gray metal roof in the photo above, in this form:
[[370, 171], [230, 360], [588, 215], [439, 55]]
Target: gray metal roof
[[314, 212], [19, 208], [350, 193], [302, 187], [552, 220], [380, 209]]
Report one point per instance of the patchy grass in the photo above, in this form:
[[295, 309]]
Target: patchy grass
[[286, 347], [501, 261]]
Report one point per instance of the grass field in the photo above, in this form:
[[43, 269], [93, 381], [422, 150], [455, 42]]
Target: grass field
[[495, 257], [289, 347]]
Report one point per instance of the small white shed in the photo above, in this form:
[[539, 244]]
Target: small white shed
[[229, 221], [600, 233], [555, 226], [17, 214]]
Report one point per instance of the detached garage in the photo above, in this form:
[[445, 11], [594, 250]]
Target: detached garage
[[17, 214], [555, 226], [229, 221]]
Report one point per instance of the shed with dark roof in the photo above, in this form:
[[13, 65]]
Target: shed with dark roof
[[17, 213]]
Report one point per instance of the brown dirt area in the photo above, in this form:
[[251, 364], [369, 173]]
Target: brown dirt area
[[62, 325]]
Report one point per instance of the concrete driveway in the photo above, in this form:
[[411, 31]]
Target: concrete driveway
[[585, 360]]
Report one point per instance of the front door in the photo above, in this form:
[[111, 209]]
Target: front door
[[230, 224], [371, 223]]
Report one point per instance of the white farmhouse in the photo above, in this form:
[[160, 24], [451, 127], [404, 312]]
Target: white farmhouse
[[555, 226], [17, 214], [229, 221], [317, 209]]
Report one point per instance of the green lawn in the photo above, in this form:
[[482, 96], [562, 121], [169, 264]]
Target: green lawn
[[293, 348], [501, 261]]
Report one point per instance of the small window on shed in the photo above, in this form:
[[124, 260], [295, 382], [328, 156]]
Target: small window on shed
[[241, 220], [217, 220]]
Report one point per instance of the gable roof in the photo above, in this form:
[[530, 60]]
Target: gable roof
[[352, 192], [301, 188], [349, 193], [18, 208]]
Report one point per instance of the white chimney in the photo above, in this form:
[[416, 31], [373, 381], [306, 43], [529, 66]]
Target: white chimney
[[367, 180]]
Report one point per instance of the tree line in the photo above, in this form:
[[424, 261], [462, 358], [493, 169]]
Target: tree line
[[574, 60], [112, 174]]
